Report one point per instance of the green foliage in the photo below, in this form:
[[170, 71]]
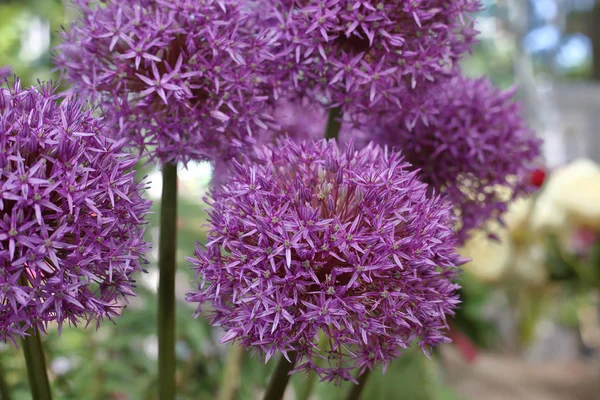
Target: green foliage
[[412, 376], [17, 19], [581, 272], [468, 319]]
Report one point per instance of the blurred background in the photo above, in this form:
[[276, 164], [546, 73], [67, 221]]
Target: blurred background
[[529, 326]]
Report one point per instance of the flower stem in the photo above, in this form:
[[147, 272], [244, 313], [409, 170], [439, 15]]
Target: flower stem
[[230, 381], [167, 247], [356, 390], [311, 379], [4, 389], [308, 386], [334, 123], [280, 378], [36, 366]]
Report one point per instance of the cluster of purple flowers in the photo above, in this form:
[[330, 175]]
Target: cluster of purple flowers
[[181, 79], [308, 239], [71, 214], [196, 80], [473, 148], [366, 55]]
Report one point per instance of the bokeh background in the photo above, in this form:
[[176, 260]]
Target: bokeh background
[[529, 326]]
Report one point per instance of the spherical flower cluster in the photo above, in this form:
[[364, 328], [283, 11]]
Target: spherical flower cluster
[[179, 78], [474, 149], [363, 55], [71, 214], [313, 241]]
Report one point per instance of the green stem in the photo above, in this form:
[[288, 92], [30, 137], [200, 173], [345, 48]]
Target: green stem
[[97, 387], [356, 390], [280, 378], [4, 389], [167, 247], [308, 386], [36, 366], [311, 379], [334, 123], [230, 381]]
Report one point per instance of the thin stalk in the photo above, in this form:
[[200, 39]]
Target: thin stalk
[[308, 386], [97, 387], [4, 389], [36, 366], [280, 378], [311, 379], [356, 390], [230, 381], [597, 310], [167, 247], [334, 123]]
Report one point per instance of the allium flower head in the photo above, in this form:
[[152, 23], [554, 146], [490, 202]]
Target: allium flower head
[[71, 214], [179, 78], [358, 54], [313, 241], [474, 148]]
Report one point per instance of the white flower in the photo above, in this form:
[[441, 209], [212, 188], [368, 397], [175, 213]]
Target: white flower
[[571, 193], [490, 259]]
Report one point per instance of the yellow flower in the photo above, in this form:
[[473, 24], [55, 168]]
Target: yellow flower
[[490, 259], [572, 194], [517, 256]]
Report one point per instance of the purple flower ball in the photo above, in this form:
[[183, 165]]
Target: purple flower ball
[[307, 240], [472, 145], [71, 214], [180, 79], [366, 55]]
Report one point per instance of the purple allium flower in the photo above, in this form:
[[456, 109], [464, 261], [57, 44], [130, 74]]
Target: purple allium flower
[[180, 78], [312, 240], [363, 55], [71, 214], [474, 147]]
